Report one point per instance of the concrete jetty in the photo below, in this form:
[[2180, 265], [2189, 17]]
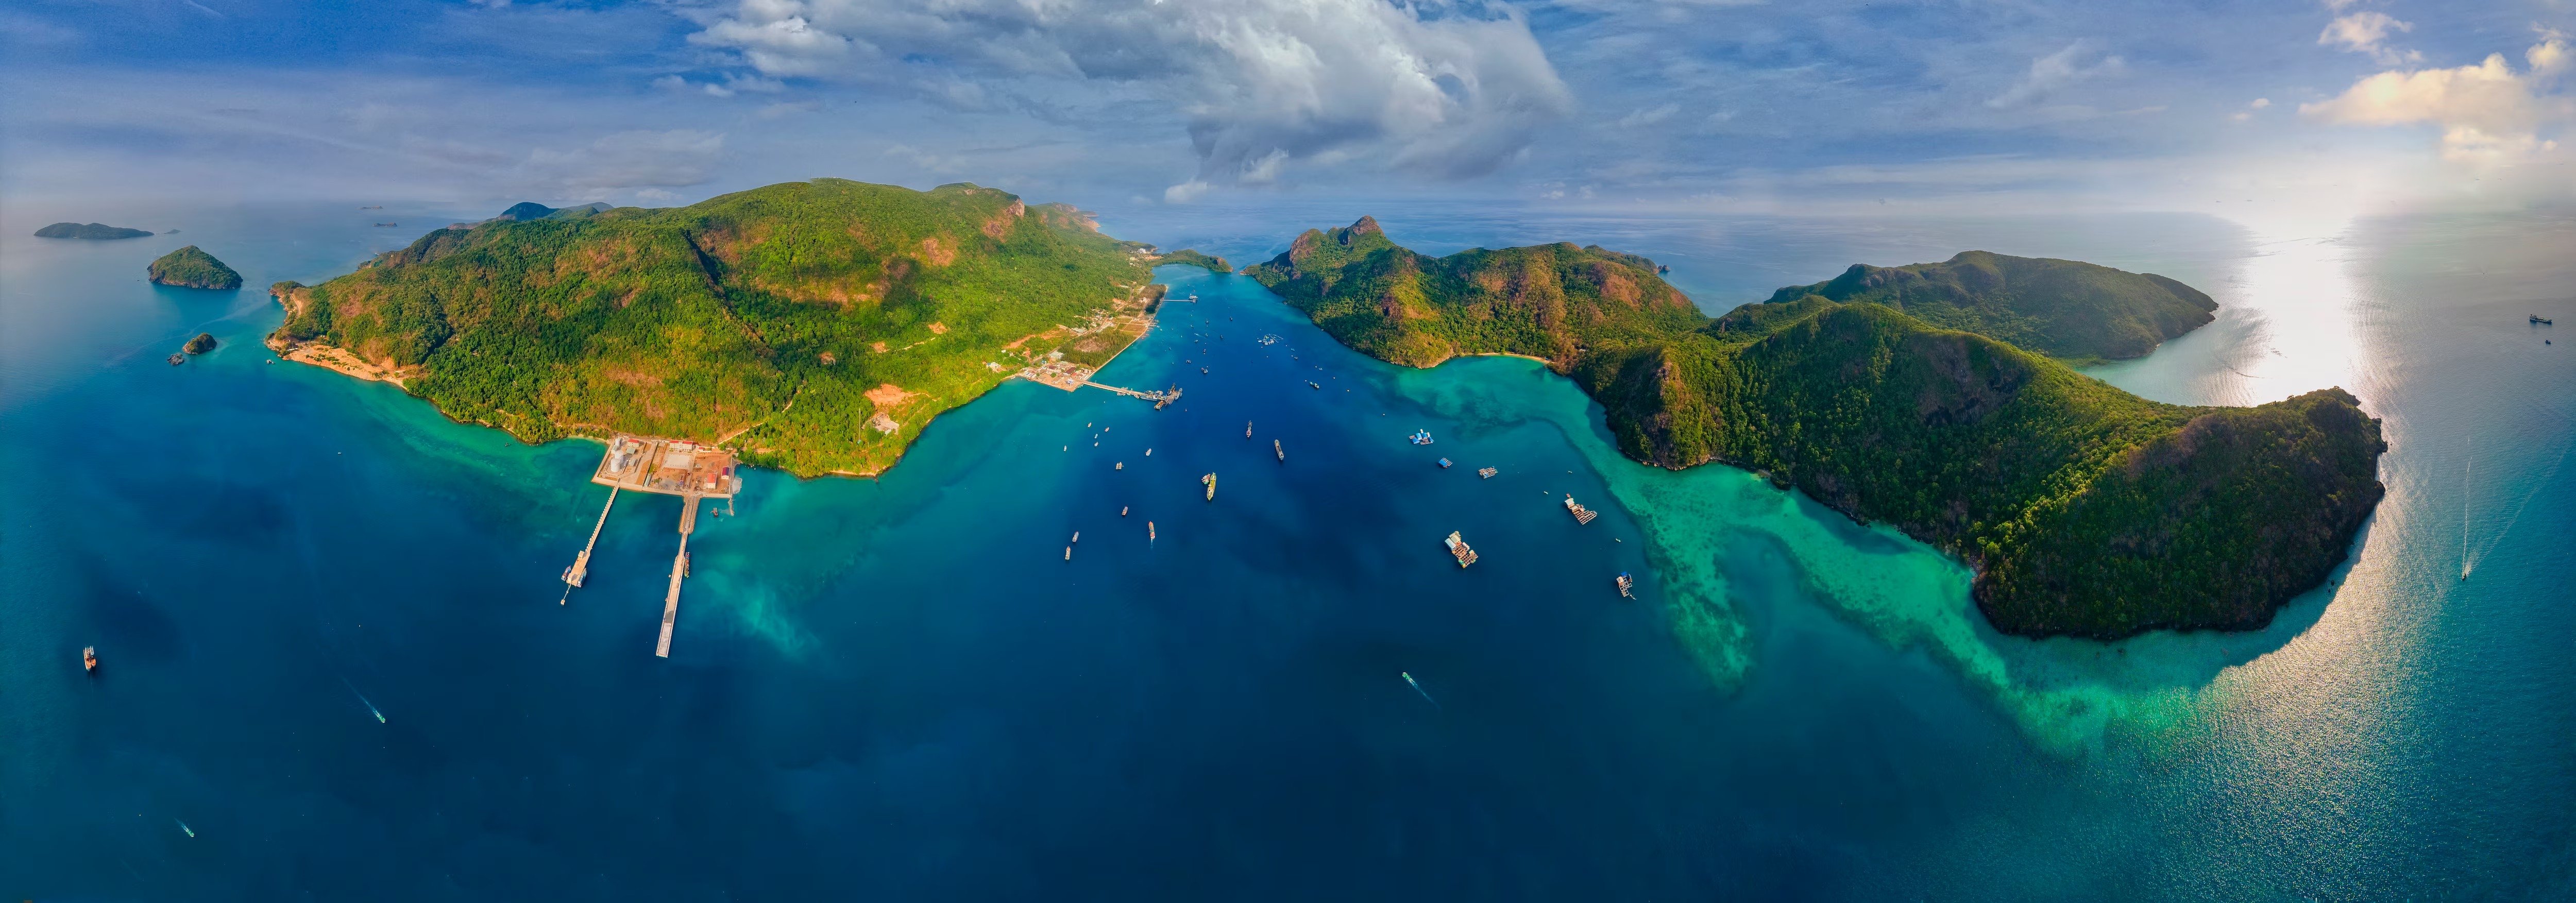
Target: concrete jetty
[[679, 569], [581, 563], [693, 471]]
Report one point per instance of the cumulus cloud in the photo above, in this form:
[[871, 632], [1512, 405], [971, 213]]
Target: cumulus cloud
[[632, 162], [2049, 74], [2486, 111], [1442, 87], [2368, 32]]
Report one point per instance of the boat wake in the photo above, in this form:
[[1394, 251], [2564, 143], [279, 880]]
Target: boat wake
[[2469, 557], [362, 700], [1417, 687]]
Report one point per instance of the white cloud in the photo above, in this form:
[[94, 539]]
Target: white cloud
[[2049, 74], [1185, 192], [2368, 32], [2248, 112], [2486, 111], [1649, 116], [1444, 88], [625, 161]]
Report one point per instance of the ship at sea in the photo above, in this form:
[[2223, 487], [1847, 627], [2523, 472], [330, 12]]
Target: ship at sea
[[1582, 515], [1444, 464], [89, 658], [1247, 429], [1626, 585], [1276, 450], [1487, 472], [1459, 550], [2544, 321], [1420, 437], [1210, 480]]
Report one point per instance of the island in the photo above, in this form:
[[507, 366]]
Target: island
[[204, 342], [1189, 257], [189, 267], [2083, 510], [92, 231], [2066, 309], [814, 327]]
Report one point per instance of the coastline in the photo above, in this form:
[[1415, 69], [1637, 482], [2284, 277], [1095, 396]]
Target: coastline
[[342, 361]]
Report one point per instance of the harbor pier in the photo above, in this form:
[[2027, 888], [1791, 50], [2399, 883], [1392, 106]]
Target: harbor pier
[[693, 471]]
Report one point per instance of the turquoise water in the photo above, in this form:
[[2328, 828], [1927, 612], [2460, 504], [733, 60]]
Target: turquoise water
[[899, 688]]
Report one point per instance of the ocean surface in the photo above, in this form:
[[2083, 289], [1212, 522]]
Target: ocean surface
[[335, 666]]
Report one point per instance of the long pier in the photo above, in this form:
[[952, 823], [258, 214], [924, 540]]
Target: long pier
[[679, 569], [581, 563], [1158, 398]]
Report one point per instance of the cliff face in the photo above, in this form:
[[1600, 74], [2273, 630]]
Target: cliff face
[[2085, 510], [189, 267], [858, 303]]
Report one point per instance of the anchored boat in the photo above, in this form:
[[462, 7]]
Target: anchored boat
[[2544, 321], [1421, 437], [1210, 480], [1444, 464], [1459, 550], [89, 658], [1276, 450], [1582, 515], [1626, 583], [1486, 472]]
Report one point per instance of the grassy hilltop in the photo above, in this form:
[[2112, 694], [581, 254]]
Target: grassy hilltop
[[817, 326], [2085, 510]]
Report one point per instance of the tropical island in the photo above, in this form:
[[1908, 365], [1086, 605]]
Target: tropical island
[[92, 231], [1191, 257], [202, 343], [189, 267], [816, 327], [2083, 509]]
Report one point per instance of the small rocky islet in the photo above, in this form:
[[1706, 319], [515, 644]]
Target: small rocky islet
[[190, 267]]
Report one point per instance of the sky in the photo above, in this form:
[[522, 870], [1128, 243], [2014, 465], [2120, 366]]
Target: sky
[[1719, 105]]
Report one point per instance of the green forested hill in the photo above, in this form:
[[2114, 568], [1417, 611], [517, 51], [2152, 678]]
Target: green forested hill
[[190, 267], [2086, 510], [2063, 308], [786, 319]]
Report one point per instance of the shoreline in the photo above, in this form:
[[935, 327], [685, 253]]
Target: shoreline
[[341, 361]]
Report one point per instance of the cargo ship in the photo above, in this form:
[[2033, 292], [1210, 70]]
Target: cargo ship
[[1210, 480], [1276, 450], [1458, 549], [2544, 321], [1582, 515]]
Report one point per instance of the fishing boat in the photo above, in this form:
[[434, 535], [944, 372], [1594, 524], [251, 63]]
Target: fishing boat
[[1276, 450], [1444, 464], [1311, 384], [89, 658], [1459, 550], [2544, 321], [1486, 472], [1626, 585], [1210, 480], [1068, 553], [1582, 515], [1077, 536], [1122, 465], [1421, 437], [1149, 531], [1247, 429], [1122, 511]]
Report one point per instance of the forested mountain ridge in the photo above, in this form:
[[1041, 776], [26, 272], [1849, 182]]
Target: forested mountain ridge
[[2084, 509], [817, 326], [2063, 308]]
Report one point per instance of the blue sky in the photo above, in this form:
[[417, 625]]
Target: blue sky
[[1689, 104]]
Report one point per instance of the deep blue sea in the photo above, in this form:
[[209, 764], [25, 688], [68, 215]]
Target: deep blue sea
[[900, 689]]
